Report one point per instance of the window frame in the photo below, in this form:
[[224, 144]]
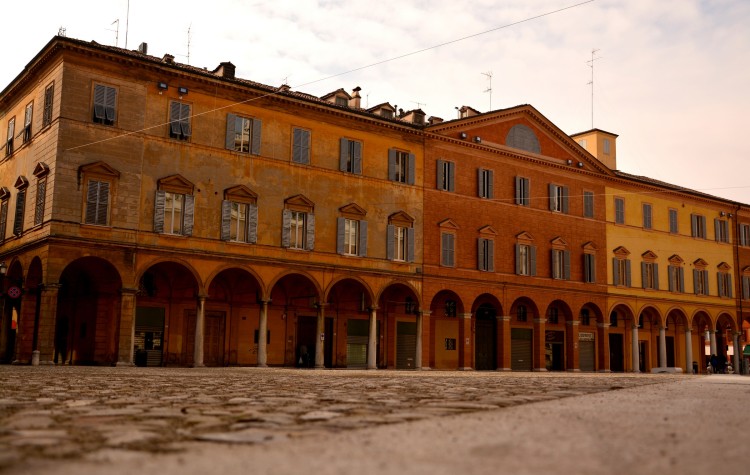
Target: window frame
[[485, 183], [180, 127], [619, 210], [676, 277], [558, 198], [298, 230], [588, 204], [647, 216], [649, 275], [698, 226], [523, 190], [621, 272], [674, 227], [249, 142], [27, 121], [104, 104], [9, 139], [744, 234], [486, 254], [525, 259], [721, 230], [589, 268], [4, 211], [446, 175], [447, 249], [49, 98], [301, 145], [350, 156], [560, 264]]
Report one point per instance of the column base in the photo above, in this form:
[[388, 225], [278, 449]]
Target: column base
[[372, 367], [425, 368], [47, 363], [261, 365], [124, 363], [503, 369], [466, 368], [540, 370], [574, 370], [604, 371], [320, 367], [35, 358], [199, 365]]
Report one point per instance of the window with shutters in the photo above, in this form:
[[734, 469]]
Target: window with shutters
[[588, 204], [9, 139], [446, 175], [676, 274], [486, 254], [619, 210], [724, 284], [105, 103], [698, 225], [650, 275], [745, 283], [525, 255], [400, 238], [522, 191], [239, 215], [721, 230], [99, 181], [560, 259], [621, 267], [4, 200], [179, 120], [447, 249], [401, 166], [21, 185], [27, 116], [174, 206], [589, 268], [41, 197], [558, 198], [647, 221], [700, 277], [243, 134], [745, 235], [300, 146], [49, 97], [298, 223], [351, 235], [350, 156], [673, 227], [485, 183], [298, 227]]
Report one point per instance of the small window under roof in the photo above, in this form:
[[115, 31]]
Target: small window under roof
[[522, 137]]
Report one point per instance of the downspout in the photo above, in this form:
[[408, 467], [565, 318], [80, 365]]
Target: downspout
[[738, 283]]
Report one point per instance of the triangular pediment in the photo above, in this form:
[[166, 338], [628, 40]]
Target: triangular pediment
[[4, 193], [700, 263], [98, 168], [21, 182], [621, 251], [590, 246], [524, 236], [240, 193], [399, 217], [487, 230], [299, 200], [176, 183], [723, 267], [448, 224], [559, 242], [40, 169], [676, 260], [353, 209], [649, 255], [746, 270]]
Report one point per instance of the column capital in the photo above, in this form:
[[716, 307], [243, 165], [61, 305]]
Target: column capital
[[503, 318], [264, 301], [425, 313], [320, 305], [540, 320], [373, 308], [464, 315], [202, 297], [603, 325], [573, 323], [688, 330], [128, 291], [50, 286]]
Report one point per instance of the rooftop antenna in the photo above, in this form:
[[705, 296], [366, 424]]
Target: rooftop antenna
[[188, 43], [62, 32], [127, 23], [419, 104], [117, 31], [367, 101], [489, 88], [591, 65]]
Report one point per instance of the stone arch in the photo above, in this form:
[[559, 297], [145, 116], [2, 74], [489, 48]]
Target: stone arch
[[400, 309], [155, 263], [621, 320], [370, 299], [253, 274], [272, 284], [350, 305]]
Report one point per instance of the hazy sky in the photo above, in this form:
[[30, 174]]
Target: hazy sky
[[671, 80]]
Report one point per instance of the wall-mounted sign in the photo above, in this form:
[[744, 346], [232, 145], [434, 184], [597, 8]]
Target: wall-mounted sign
[[585, 336]]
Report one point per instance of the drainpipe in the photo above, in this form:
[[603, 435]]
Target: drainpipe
[[738, 358]]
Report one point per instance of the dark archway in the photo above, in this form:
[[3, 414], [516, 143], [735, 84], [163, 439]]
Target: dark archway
[[297, 300], [349, 304], [400, 306]]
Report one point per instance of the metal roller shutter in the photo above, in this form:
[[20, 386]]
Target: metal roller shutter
[[587, 356], [406, 345], [356, 343], [521, 349]]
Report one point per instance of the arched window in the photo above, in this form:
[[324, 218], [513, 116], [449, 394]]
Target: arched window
[[522, 137]]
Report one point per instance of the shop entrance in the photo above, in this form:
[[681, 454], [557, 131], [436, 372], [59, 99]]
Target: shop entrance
[[554, 350], [485, 338], [616, 357]]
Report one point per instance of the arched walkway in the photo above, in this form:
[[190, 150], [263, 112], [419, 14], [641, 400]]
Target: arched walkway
[[12, 347], [447, 328], [308, 330], [350, 306], [401, 310]]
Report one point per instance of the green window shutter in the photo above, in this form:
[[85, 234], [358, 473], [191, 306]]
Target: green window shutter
[[159, 201], [231, 136], [411, 169], [174, 118], [363, 238], [343, 154], [409, 244], [566, 265], [390, 242], [256, 141], [286, 228], [187, 218], [357, 158], [226, 219], [310, 231], [252, 223]]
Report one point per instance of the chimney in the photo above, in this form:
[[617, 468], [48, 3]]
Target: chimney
[[225, 70], [356, 98], [434, 120], [168, 58], [466, 111], [284, 88], [143, 48]]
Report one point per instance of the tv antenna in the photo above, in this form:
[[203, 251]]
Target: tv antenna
[[591, 65], [419, 104], [188, 43], [127, 23], [489, 88], [117, 31]]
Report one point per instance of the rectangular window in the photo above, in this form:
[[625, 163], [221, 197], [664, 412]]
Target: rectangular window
[[721, 230], [179, 120], [589, 268], [173, 213], [606, 146], [522, 191], [20, 209], [401, 166], [745, 286], [700, 282], [525, 259], [619, 211], [698, 226], [104, 104], [485, 183], [621, 272], [647, 216], [27, 122], [588, 204], [3, 218], [676, 279], [558, 198], [49, 96], [97, 203], [243, 134], [350, 156], [450, 344], [486, 255], [400, 237], [351, 236], [238, 222], [650, 275], [9, 140], [673, 228], [400, 243], [41, 195], [724, 281], [174, 205], [450, 308], [301, 146], [447, 249], [298, 230], [560, 264], [446, 175], [744, 234], [585, 317]]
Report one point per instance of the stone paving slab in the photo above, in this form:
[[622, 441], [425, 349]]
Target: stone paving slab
[[64, 414]]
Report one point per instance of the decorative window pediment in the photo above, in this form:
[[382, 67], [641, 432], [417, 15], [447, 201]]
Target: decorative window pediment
[[559, 243], [353, 210], [487, 231], [240, 193], [4, 193], [724, 267], [649, 256], [401, 218], [524, 237], [590, 247], [176, 184], [676, 260], [21, 183], [299, 203], [621, 251], [98, 168], [448, 224], [700, 264], [41, 169], [746, 270]]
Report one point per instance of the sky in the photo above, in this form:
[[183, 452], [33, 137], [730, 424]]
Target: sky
[[671, 77]]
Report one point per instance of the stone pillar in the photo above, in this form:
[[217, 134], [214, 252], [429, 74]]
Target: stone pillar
[[425, 336], [465, 360], [662, 347], [503, 324], [538, 350], [736, 362], [200, 317], [372, 340], [688, 351], [127, 327], [418, 352], [262, 335], [712, 335], [634, 350], [319, 338], [47, 311], [572, 346], [602, 347]]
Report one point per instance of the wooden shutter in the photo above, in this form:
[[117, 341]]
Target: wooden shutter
[[409, 244], [226, 220], [110, 97], [102, 206], [671, 277], [391, 164], [256, 141], [99, 99], [344, 154], [357, 158], [705, 281], [490, 255], [252, 223], [411, 169], [552, 189], [187, 218], [185, 120], [3, 218], [696, 276], [92, 199], [553, 264], [656, 276], [681, 276], [719, 283], [588, 203], [159, 201], [174, 118], [745, 285], [615, 271], [717, 230], [490, 191], [518, 259], [440, 174], [362, 238], [565, 194], [340, 237], [592, 270], [480, 183], [451, 176], [286, 228], [532, 267], [230, 138], [296, 150], [644, 275], [305, 146], [310, 231], [566, 265], [20, 208], [730, 289], [627, 273], [41, 194], [480, 253], [390, 242], [49, 95], [519, 191]]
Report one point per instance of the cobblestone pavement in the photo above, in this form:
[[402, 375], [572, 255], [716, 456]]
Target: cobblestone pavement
[[76, 413]]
